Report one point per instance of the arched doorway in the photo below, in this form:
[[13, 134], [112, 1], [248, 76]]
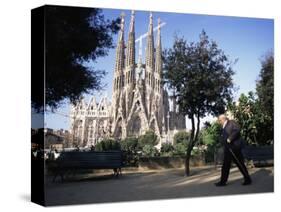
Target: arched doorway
[[135, 126]]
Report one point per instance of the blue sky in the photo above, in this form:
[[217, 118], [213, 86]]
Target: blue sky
[[245, 39]]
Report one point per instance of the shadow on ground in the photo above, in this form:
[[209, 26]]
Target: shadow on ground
[[155, 185]]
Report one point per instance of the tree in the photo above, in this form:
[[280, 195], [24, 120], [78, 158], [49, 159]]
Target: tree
[[243, 113], [256, 126], [254, 111], [265, 92], [210, 136], [74, 37], [201, 76]]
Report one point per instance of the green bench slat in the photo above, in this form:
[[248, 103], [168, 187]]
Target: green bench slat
[[91, 160]]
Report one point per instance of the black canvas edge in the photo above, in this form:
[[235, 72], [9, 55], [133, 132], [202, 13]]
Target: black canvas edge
[[38, 90]]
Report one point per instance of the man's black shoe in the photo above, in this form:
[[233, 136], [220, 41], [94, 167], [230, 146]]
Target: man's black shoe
[[219, 184], [247, 182]]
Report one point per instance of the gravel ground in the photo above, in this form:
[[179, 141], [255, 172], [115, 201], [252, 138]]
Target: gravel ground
[[153, 185]]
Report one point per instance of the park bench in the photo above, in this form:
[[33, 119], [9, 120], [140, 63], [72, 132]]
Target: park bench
[[258, 156], [254, 156], [73, 161]]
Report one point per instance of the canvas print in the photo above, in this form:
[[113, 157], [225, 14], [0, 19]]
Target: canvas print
[[146, 105]]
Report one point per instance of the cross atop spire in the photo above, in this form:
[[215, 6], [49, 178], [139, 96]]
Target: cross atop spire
[[159, 32], [122, 15], [132, 24], [130, 54], [120, 55], [121, 34], [150, 30]]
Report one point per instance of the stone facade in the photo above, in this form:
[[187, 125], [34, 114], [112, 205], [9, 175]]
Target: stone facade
[[139, 100]]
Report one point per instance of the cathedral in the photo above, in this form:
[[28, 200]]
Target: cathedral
[[139, 101]]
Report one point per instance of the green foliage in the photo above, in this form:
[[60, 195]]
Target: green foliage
[[265, 85], [254, 112], [129, 144], [210, 137], [107, 145], [167, 149], [179, 149], [181, 141], [149, 151], [195, 151], [182, 137], [256, 125], [149, 138], [74, 37], [201, 76], [130, 147]]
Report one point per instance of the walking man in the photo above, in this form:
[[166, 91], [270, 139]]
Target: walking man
[[233, 144]]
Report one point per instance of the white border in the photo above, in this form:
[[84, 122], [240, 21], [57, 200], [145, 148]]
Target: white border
[[15, 100]]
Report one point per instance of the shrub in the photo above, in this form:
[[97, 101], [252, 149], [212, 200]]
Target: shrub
[[149, 151], [167, 149], [181, 137], [179, 149], [210, 137], [195, 151], [107, 145], [129, 144], [149, 138]]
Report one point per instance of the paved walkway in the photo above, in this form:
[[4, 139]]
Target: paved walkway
[[154, 185]]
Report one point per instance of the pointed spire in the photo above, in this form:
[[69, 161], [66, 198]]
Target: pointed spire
[[120, 54], [150, 29], [132, 23], [150, 44], [159, 33], [130, 56], [158, 63], [121, 32]]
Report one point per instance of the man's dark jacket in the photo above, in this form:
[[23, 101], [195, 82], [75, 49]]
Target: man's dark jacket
[[231, 131]]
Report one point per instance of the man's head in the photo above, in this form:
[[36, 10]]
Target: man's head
[[222, 119]]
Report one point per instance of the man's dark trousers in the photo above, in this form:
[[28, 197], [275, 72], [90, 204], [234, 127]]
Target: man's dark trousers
[[228, 158], [232, 132]]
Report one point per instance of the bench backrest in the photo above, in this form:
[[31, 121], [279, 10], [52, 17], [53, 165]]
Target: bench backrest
[[258, 153], [92, 159]]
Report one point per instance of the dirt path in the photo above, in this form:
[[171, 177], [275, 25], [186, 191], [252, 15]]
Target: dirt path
[[155, 184]]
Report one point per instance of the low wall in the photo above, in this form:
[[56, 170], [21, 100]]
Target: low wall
[[168, 162]]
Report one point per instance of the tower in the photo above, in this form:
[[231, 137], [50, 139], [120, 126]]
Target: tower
[[158, 96], [139, 101], [118, 81], [130, 78], [149, 65]]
